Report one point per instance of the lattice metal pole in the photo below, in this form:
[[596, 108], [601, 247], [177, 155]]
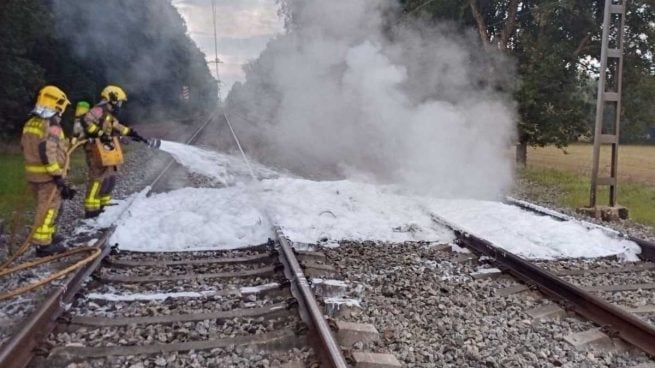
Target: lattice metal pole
[[611, 62]]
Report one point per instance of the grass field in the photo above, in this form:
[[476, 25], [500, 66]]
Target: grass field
[[636, 163], [569, 174], [14, 195]]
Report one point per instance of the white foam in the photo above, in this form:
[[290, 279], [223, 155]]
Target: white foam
[[149, 296], [330, 211], [258, 288]]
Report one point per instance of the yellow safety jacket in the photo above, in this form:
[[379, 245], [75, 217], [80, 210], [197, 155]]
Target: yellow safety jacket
[[99, 121], [44, 149]]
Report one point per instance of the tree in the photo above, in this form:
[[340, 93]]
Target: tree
[[143, 47], [638, 73], [547, 42], [82, 46], [19, 75], [549, 39]]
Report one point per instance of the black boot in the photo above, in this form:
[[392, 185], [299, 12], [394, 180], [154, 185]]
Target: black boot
[[92, 214], [49, 250]]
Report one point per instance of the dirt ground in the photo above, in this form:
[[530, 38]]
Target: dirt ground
[[636, 163]]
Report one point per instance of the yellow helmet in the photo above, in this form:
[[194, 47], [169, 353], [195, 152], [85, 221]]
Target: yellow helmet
[[113, 94], [50, 101]]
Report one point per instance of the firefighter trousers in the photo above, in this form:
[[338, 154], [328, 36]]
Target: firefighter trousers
[[47, 212], [102, 180]]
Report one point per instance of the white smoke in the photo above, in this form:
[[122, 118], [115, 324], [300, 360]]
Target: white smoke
[[344, 93]]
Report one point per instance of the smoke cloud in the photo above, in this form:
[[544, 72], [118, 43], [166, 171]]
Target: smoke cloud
[[345, 94], [142, 46]]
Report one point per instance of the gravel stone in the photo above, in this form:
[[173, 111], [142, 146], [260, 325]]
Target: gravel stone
[[431, 313]]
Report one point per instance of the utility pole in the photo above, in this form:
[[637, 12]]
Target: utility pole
[[608, 112], [216, 60]]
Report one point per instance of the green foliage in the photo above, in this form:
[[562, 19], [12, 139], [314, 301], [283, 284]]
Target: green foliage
[[439, 10], [551, 103], [81, 46], [19, 74], [14, 194], [143, 47], [13, 191], [639, 72], [549, 39]]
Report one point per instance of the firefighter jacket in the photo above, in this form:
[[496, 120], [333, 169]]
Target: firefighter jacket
[[44, 149], [100, 121]]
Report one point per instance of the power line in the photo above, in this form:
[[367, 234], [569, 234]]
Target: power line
[[216, 60]]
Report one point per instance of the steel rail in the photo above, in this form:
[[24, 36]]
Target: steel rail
[[647, 247], [309, 309], [18, 351], [612, 318]]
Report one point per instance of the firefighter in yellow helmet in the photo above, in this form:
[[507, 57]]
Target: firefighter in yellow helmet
[[44, 149], [81, 108], [103, 150]]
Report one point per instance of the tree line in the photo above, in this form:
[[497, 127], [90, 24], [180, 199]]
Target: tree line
[[553, 44], [81, 46]]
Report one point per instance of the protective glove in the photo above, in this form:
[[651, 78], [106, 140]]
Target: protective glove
[[106, 139], [65, 191], [136, 136], [68, 193]]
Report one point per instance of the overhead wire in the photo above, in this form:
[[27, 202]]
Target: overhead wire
[[216, 60]]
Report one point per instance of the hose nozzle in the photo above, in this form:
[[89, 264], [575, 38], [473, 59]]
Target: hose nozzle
[[153, 142]]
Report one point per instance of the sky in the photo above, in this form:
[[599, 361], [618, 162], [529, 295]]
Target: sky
[[243, 28]]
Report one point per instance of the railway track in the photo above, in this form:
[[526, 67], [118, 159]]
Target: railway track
[[597, 290], [246, 309], [205, 308], [154, 308], [421, 295], [436, 307], [617, 321], [256, 304]]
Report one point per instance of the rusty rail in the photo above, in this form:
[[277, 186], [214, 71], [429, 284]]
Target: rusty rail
[[18, 351], [311, 314], [647, 247], [614, 319]]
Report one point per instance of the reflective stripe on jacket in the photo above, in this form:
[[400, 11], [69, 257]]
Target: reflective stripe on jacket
[[44, 149]]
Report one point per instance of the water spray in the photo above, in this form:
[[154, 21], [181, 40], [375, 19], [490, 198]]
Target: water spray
[[153, 143]]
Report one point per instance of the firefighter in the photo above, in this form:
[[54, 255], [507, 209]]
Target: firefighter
[[81, 108], [44, 149], [102, 129]]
